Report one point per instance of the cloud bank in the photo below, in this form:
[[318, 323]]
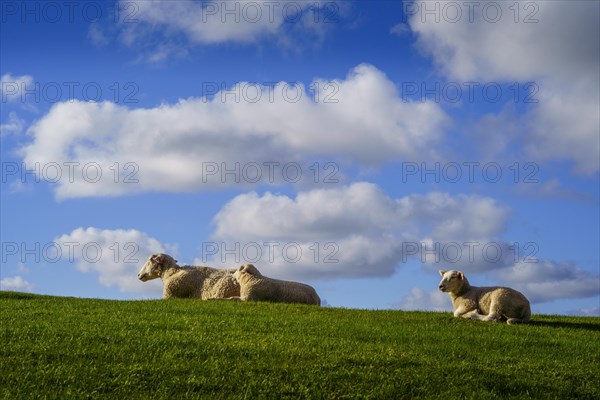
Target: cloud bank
[[553, 43], [361, 118], [161, 30], [16, 283], [368, 233]]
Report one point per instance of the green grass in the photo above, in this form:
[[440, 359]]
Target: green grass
[[70, 348]]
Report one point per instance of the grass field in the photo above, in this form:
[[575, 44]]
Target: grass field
[[70, 348]]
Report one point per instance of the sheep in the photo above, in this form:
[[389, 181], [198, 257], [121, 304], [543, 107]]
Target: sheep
[[189, 282], [484, 303], [256, 287]]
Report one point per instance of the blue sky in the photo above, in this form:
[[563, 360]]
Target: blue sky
[[358, 146]]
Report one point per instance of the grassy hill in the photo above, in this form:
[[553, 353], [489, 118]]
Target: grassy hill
[[70, 348]]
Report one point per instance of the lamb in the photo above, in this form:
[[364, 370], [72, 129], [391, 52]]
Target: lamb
[[484, 303], [256, 287], [189, 282]]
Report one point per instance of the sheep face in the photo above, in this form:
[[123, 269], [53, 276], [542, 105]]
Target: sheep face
[[153, 268], [451, 281], [245, 270]]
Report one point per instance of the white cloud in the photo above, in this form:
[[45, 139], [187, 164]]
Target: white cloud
[[559, 51], [565, 124], [16, 283], [22, 268], [546, 281], [97, 36], [369, 231], [242, 21], [553, 189], [562, 43], [19, 186], [361, 119], [160, 31], [418, 299], [13, 126], [115, 255], [360, 207], [12, 87], [400, 29]]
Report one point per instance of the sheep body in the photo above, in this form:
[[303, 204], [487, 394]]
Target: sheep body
[[493, 303], [189, 281], [256, 287]]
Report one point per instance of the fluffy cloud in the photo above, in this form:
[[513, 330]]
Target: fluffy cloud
[[557, 39], [16, 283], [564, 125], [12, 87], [115, 255], [97, 36], [418, 299], [360, 208], [174, 147], [13, 126], [242, 21], [365, 232], [546, 281], [555, 43], [162, 30]]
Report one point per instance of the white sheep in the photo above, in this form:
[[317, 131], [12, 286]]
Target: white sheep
[[256, 287], [189, 282], [484, 303]]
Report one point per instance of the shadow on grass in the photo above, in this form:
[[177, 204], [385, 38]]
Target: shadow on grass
[[592, 326]]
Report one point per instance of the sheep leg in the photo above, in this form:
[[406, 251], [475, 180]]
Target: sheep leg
[[235, 298], [474, 314], [493, 317], [460, 312], [495, 314], [469, 314]]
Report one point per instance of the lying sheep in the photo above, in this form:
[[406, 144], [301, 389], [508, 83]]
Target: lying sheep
[[190, 282], [256, 287], [484, 303]]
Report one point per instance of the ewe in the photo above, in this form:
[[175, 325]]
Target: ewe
[[256, 287], [484, 303], [195, 282]]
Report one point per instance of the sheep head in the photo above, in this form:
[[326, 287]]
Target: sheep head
[[154, 267], [246, 270], [452, 281]]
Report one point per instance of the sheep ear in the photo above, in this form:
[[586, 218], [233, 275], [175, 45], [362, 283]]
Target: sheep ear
[[460, 275], [158, 258], [442, 272]]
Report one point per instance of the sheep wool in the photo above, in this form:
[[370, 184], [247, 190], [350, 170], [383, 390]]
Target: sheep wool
[[188, 281], [484, 303], [256, 287]]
